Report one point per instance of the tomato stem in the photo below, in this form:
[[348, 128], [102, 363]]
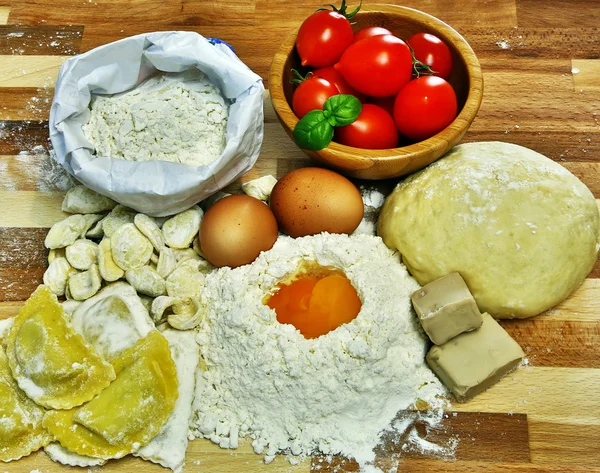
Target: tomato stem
[[420, 68], [342, 9], [299, 78]]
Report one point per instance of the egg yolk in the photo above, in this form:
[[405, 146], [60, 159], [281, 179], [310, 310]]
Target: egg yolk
[[316, 305]]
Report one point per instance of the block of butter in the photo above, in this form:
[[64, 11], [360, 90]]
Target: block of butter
[[473, 361], [446, 308]]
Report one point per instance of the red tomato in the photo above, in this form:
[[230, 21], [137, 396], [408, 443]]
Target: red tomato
[[424, 107], [378, 66], [387, 103], [333, 76], [311, 95], [373, 129], [370, 31], [432, 51], [323, 37]]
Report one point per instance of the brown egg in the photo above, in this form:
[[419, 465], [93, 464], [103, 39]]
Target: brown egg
[[308, 201], [236, 229]]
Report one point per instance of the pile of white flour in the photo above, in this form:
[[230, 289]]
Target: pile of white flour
[[333, 394], [162, 119]]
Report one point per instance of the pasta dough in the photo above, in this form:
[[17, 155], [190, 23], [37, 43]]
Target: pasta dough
[[129, 412], [49, 361], [519, 228]]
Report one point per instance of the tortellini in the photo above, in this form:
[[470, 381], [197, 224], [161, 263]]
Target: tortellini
[[130, 248], [85, 284], [187, 279], [186, 312], [260, 188], [81, 200], [53, 365], [150, 229], [57, 275], [146, 280], [130, 411], [109, 270], [82, 254], [65, 232], [118, 217], [180, 230]]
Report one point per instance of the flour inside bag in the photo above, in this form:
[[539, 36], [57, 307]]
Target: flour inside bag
[[184, 162]]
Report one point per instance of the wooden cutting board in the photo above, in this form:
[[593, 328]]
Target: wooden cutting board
[[542, 90]]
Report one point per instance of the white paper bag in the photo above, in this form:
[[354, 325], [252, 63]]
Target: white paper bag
[[157, 188]]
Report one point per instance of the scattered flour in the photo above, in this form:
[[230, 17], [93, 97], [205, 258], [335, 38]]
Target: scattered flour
[[334, 394], [162, 119]]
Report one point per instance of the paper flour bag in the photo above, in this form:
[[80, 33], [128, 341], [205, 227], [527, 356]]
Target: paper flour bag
[[157, 188]]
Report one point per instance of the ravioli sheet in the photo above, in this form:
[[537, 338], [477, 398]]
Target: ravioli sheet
[[156, 188], [169, 446]]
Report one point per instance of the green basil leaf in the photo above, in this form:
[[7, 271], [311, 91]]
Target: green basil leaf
[[344, 108], [313, 131]]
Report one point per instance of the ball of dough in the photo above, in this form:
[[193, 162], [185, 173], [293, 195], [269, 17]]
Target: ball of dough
[[520, 229]]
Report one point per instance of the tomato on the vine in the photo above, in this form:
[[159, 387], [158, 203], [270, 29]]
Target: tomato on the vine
[[370, 31], [433, 52], [324, 35], [311, 94], [373, 129], [378, 66], [424, 107], [333, 76]]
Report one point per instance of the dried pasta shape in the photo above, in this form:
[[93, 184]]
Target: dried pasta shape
[[146, 280], [113, 320], [21, 431], [160, 305], [91, 220], [118, 217], [187, 314], [127, 414], [96, 231], [84, 285], [166, 262], [130, 248], [82, 254], [260, 188], [56, 253], [187, 279], [53, 365], [150, 229], [57, 274], [81, 200], [106, 264], [65, 232], [185, 254], [180, 230]]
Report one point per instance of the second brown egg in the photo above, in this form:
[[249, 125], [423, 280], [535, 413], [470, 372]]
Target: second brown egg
[[312, 200]]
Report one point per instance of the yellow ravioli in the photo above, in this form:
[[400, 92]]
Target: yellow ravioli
[[21, 431], [130, 412], [53, 365]]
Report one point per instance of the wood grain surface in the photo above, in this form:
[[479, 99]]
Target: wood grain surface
[[541, 67]]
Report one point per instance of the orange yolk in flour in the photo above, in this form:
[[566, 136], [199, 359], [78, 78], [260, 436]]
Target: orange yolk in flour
[[316, 304]]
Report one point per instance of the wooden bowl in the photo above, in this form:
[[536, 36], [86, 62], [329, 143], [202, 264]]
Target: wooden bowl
[[466, 79]]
